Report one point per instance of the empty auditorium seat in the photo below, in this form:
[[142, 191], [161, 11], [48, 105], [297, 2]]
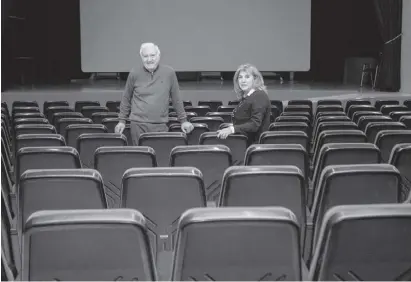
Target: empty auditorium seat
[[247, 186], [387, 109], [329, 119], [98, 117], [64, 122], [211, 160], [365, 120], [342, 154], [162, 195], [308, 103], [28, 115], [56, 109], [212, 104], [188, 114], [88, 111], [326, 102], [397, 115], [278, 154], [293, 119], [226, 109], [57, 116], [113, 105], [333, 125], [237, 143], [407, 103], [59, 189], [88, 143], [77, 249], [379, 103], [350, 103], [298, 108], [193, 138], [225, 244], [304, 114], [360, 108], [387, 139], [18, 110], [30, 121], [406, 120], [46, 158], [38, 140], [201, 111], [359, 114], [329, 108], [112, 163], [227, 117], [163, 143], [73, 131], [290, 126], [354, 184], [337, 136], [48, 104], [34, 129], [213, 123], [78, 105], [326, 114], [285, 137], [24, 104], [364, 243], [110, 123], [373, 128], [401, 158]]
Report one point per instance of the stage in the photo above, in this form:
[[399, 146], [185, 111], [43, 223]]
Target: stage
[[103, 90]]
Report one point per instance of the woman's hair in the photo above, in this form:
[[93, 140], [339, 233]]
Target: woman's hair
[[258, 79]]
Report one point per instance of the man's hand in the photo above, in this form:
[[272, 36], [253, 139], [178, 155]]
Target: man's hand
[[223, 133], [187, 127], [120, 127]]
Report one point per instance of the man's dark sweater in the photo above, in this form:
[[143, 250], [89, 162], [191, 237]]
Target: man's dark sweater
[[147, 94], [252, 116]]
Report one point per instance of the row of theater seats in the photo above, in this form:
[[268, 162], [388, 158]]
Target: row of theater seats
[[226, 243]]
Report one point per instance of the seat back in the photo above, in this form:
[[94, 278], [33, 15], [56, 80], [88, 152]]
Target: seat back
[[285, 137], [113, 162], [46, 158], [193, 138], [39, 140], [226, 116], [88, 143], [163, 194], [73, 131], [242, 244], [64, 122], [359, 114], [212, 104], [401, 158], [57, 116], [278, 154], [344, 185], [88, 111], [373, 128], [237, 143], [211, 160], [387, 109], [213, 123], [364, 243], [350, 103], [163, 143], [77, 249], [59, 189], [387, 139], [34, 129], [379, 103], [98, 117], [201, 111], [80, 104], [113, 106]]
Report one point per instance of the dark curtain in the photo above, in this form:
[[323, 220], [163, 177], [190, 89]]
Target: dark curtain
[[389, 16]]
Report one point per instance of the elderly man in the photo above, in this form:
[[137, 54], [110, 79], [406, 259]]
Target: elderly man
[[146, 97]]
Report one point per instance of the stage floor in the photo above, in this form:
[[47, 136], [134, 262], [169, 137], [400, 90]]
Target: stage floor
[[111, 90]]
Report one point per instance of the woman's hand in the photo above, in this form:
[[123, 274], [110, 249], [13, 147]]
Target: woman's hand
[[223, 133]]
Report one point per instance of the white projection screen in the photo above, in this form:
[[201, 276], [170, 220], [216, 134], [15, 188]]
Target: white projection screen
[[196, 35]]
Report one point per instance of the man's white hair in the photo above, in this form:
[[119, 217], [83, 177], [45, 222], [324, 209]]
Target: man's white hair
[[149, 44]]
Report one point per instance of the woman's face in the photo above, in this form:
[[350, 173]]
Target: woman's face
[[245, 81]]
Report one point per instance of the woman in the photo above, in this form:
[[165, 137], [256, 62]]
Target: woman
[[251, 117]]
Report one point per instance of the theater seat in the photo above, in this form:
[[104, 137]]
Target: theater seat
[[113, 162], [226, 244], [211, 160], [162, 195], [364, 243], [78, 250]]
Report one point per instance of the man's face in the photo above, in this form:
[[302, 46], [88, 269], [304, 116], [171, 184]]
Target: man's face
[[150, 58]]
